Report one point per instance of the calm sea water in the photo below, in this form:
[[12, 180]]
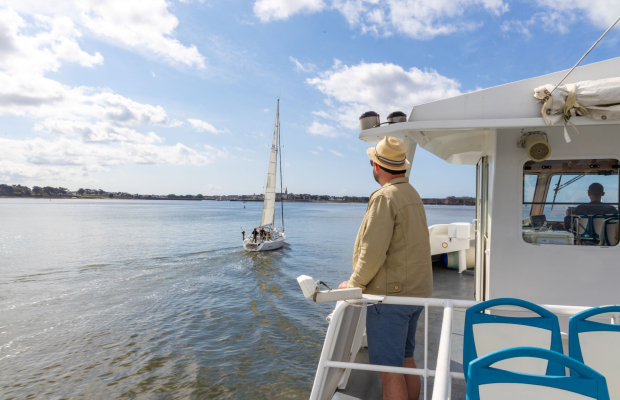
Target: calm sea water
[[158, 300]]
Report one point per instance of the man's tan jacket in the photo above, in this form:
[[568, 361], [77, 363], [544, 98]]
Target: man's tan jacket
[[392, 254]]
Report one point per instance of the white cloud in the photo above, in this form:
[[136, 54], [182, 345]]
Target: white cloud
[[382, 87], [552, 21], [559, 16], [70, 159], [175, 123], [145, 27], [320, 129], [600, 13], [316, 153], [334, 152], [204, 126], [305, 67], [320, 148], [54, 43], [270, 10], [419, 19], [87, 129], [265, 110]]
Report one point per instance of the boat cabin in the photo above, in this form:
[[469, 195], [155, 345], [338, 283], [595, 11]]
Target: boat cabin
[[546, 248], [538, 234]]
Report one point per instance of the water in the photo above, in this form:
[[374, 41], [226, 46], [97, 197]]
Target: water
[[158, 300]]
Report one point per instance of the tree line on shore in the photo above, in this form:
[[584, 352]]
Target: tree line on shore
[[50, 191], [36, 191]]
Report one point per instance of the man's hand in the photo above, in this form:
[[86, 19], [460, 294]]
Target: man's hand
[[343, 285]]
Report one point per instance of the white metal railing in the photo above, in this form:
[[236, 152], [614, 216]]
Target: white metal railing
[[442, 374]]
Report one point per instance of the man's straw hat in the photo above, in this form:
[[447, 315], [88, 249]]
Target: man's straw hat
[[390, 153]]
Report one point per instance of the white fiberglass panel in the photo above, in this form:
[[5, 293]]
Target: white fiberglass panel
[[496, 336], [600, 351], [519, 391]]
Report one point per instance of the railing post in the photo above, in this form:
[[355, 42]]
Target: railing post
[[425, 349], [441, 387]]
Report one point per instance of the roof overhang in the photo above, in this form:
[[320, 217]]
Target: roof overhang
[[458, 129]]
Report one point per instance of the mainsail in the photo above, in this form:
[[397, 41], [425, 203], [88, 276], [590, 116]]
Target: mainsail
[[269, 205]]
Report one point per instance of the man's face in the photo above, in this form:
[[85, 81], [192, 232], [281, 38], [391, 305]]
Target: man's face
[[375, 174]]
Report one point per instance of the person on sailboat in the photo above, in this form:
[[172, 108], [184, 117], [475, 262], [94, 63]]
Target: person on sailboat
[[262, 234], [392, 256], [254, 234]]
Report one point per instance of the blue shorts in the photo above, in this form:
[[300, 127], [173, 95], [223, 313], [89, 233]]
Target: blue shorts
[[390, 329]]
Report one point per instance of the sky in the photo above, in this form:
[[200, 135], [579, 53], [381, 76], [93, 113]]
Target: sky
[[161, 97]]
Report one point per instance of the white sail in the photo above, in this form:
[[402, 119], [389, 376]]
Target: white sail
[[269, 205]]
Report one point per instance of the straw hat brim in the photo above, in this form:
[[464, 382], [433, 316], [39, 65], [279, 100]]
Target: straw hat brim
[[371, 153]]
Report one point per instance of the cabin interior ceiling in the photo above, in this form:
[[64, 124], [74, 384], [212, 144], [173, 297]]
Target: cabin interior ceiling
[[546, 274]]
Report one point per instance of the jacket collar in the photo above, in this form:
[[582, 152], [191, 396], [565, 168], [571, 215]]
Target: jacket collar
[[396, 181]]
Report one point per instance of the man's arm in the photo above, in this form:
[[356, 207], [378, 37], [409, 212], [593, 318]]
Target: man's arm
[[374, 243]]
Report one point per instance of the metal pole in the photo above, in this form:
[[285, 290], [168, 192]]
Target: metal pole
[[425, 349], [584, 56], [441, 388]]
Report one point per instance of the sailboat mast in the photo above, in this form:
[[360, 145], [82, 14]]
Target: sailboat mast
[[280, 152]]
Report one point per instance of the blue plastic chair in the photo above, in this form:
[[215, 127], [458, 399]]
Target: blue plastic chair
[[582, 231], [597, 224], [485, 333], [609, 231], [488, 383], [597, 344]]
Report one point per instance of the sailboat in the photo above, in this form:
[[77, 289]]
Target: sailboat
[[273, 238]]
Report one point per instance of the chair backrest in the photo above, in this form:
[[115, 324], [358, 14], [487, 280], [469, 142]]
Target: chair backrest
[[611, 232], [485, 333], [597, 344], [598, 225], [489, 383], [581, 225]]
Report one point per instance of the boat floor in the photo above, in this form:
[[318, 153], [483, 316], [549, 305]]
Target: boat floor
[[447, 284]]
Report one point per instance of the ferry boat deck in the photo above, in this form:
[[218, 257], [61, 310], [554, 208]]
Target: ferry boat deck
[[447, 284]]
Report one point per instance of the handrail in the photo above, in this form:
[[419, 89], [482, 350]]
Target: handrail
[[442, 374], [441, 388]]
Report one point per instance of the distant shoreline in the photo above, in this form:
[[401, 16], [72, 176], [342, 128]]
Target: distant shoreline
[[426, 202]]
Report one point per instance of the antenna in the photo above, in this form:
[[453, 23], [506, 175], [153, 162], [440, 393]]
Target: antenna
[[584, 56]]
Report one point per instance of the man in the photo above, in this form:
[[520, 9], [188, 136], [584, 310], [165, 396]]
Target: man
[[596, 191], [254, 234], [392, 256], [262, 234]]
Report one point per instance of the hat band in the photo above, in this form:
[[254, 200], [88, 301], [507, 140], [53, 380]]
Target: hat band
[[388, 161]]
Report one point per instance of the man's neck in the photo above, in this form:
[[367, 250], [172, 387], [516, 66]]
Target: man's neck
[[392, 178]]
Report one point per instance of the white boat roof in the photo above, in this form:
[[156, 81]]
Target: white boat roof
[[472, 116]]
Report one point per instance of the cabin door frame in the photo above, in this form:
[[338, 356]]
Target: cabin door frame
[[481, 228]]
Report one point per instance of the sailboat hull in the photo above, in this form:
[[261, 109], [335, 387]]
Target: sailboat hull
[[250, 245]]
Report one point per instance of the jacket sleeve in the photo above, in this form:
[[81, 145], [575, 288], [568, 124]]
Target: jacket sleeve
[[374, 243]]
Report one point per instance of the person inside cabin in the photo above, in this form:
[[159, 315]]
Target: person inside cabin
[[255, 234], [596, 191], [392, 256], [262, 234]]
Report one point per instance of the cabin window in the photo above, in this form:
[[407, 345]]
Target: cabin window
[[529, 188], [571, 202]]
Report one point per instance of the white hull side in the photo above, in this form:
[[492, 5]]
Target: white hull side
[[249, 245]]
